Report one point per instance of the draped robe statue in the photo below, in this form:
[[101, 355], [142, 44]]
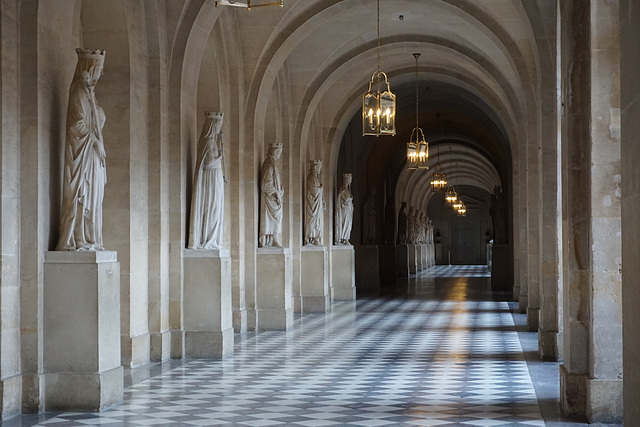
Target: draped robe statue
[[314, 205], [412, 225], [85, 173], [271, 200], [402, 224], [370, 217], [497, 210], [207, 201], [344, 211]]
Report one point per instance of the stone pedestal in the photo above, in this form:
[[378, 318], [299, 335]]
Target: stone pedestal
[[502, 269], [424, 256], [432, 254], [402, 260], [387, 264], [343, 273], [419, 266], [413, 260], [314, 275], [367, 269], [440, 259], [274, 302], [81, 331], [207, 307]]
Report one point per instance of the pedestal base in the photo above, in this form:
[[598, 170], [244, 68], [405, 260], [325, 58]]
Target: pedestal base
[[207, 308], [402, 261], [343, 272], [599, 400], [413, 263], [533, 319], [83, 392], [502, 268], [419, 250], [274, 304], [314, 289], [604, 402], [367, 270], [81, 332]]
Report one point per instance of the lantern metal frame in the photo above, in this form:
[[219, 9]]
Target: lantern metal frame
[[378, 107]]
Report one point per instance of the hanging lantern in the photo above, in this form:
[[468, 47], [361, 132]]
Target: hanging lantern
[[378, 103], [417, 151], [451, 196], [417, 147], [378, 108], [462, 210], [439, 180]]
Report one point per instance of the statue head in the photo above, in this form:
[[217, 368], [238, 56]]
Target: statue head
[[216, 118], [90, 63], [275, 149], [347, 178], [315, 166]]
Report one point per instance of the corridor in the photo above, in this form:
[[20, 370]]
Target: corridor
[[441, 351]]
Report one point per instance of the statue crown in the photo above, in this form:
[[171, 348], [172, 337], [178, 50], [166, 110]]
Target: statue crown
[[275, 145]]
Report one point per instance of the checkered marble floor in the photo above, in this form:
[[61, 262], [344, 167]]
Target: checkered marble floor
[[440, 356]]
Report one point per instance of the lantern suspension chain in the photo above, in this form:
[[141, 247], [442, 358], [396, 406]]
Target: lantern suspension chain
[[378, 21], [417, 55]]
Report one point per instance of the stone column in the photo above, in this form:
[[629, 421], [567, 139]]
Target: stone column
[[343, 273], [207, 307], [82, 331], [402, 261], [274, 301], [367, 270], [630, 149], [314, 287], [591, 375]]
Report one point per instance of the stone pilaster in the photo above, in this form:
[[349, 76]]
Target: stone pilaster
[[592, 370], [630, 192]]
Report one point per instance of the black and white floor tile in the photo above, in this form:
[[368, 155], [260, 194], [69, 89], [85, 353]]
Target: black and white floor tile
[[444, 360]]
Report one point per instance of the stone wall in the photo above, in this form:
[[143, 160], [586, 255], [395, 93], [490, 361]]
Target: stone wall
[[630, 190]]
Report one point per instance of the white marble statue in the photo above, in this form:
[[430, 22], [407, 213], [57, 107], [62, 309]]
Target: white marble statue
[[412, 226], [370, 218], [423, 228], [344, 211], [271, 200], [429, 231], [85, 173], [402, 224], [314, 205], [207, 200]]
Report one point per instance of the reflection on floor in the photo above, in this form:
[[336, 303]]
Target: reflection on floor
[[437, 349]]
